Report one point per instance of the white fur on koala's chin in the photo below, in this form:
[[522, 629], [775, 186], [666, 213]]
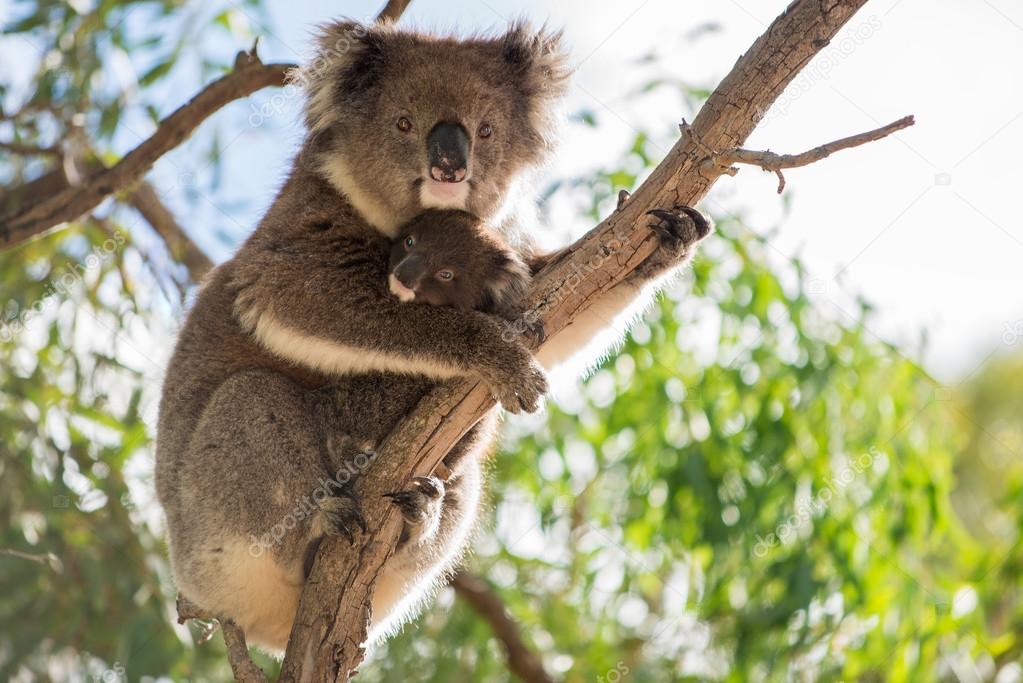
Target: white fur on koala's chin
[[436, 195], [399, 290], [339, 174]]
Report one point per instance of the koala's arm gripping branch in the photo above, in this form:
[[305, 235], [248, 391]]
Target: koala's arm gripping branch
[[325, 642]]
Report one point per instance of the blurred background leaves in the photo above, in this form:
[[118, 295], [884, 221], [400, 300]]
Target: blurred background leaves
[[751, 489]]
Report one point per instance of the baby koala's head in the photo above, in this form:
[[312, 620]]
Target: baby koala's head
[[449, 258]]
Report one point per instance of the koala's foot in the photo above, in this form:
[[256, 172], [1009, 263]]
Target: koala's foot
[[342, 515], [678, 231], [420, 505]]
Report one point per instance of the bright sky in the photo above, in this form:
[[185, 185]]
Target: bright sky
[[923, 224]]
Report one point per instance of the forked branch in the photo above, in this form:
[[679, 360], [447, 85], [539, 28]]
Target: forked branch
[[769, 161]]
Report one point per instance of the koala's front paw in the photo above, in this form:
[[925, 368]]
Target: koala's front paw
[[518, 382], [341, 515], [678, 232]]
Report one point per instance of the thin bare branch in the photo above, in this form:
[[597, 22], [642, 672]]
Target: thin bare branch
[[326, 639], [769, 161], [393, 10], [27, 150], [242, 666], [181, 247], [522, 661], [250, 75], [46, 559]]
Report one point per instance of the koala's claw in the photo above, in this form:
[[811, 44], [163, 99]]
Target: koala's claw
[[685, 225], [342, 513], [678, 232], [420, 503], [535, 331]]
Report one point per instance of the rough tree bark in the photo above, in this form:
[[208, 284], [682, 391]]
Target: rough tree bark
[[326, 639]]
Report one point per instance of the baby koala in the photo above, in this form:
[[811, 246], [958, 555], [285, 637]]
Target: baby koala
[[450, 258]]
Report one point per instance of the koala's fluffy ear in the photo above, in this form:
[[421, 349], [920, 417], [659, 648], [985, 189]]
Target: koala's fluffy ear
[[511, 280], [346, 64], [539, 68]]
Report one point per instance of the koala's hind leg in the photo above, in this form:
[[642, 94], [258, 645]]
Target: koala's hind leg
[[254, 481], [436, 531], [421, 506]]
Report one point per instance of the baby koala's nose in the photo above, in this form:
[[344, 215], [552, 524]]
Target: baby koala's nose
[[409, 272]]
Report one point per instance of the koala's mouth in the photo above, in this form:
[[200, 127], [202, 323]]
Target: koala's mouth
[[399, 290], [441, 195]]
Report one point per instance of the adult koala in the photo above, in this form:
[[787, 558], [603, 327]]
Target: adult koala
[[296, 340]]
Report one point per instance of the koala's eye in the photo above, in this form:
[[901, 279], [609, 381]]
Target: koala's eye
[[410, 242], [485, 130], [404, 125], [445, 275]]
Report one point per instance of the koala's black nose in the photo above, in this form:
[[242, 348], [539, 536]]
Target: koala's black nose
[[447, 148]]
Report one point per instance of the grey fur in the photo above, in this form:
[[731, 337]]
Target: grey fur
[[296, 360]]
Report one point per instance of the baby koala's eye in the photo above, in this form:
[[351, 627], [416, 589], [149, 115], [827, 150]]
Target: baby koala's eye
[[410, 242], [445, 275], [404, 125], [485, 130]]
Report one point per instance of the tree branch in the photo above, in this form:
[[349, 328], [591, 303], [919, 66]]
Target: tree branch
[[242, 666], [46, 559], [325, 643], [27, 150], [522, 661], [769, 161], [393, 10], [143, 198], [181, 247], [249, 75]]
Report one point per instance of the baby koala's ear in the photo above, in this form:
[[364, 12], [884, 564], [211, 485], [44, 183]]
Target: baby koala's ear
[[510, 281]]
